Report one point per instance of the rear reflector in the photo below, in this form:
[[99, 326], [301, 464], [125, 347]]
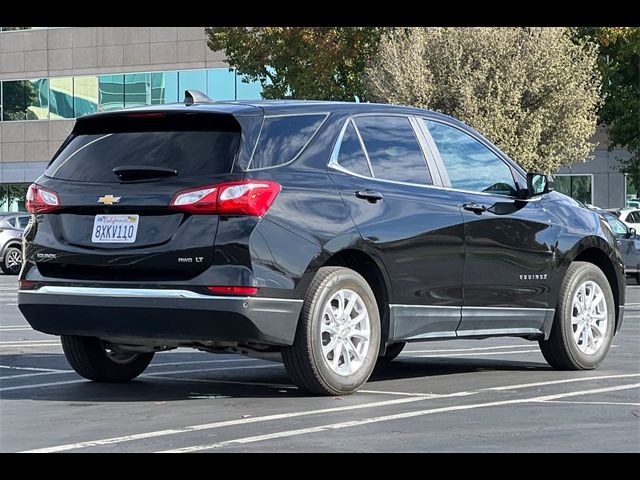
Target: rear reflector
[[233, 290], [41, 200], [26, 285], [249, 197]]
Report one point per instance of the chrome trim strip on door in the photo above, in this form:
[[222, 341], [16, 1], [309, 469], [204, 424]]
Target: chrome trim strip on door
[[142, 293], [499, 331]]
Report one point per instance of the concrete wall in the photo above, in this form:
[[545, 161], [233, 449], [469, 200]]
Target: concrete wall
[[66, 51]]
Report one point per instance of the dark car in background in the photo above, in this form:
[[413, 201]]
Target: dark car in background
[[628, 243], [11, 227], [326, 234]]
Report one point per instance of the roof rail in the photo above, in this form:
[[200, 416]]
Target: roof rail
[[195, 96]]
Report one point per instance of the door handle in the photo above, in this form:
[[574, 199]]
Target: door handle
[[474, 207], [370, 196]]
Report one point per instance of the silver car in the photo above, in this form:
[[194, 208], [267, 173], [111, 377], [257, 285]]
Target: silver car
[[11, 227]]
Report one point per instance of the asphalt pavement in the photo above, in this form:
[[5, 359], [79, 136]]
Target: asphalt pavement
[[494, 395]]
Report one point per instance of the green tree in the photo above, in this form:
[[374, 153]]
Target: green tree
[[532, 91], [321, 63], [619, 63]]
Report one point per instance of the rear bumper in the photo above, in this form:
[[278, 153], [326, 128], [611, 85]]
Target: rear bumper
[[180, 316]]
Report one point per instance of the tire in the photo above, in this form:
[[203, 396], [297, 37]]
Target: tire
[[392, 352], [309, 367], [562, 350], [90, 358], [11, 256]]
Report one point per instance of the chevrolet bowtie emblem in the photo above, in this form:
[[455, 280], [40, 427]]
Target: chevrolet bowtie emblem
[[109, 199]]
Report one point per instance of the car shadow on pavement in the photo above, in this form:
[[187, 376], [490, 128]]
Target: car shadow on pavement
[[164, 386]]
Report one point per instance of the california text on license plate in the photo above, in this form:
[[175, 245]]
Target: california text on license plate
[[115, 229]]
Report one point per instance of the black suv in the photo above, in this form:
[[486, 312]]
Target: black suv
[[329, 233]]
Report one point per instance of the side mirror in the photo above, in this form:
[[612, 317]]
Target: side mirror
[[632, 233], [539, 184]]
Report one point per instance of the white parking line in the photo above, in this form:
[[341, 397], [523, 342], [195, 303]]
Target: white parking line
[[397, 416], [571, 402], [173, 372], [25, 341], [29, 345], [558, 382], [228, 423], [33, 369], [221, 424], [46, 371], [16, 329]]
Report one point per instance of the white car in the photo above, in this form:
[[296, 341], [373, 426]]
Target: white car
[[630, 216]]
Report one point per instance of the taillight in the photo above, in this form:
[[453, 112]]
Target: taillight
[[26, 285], [41, 200], [249, 197], [233, 290]]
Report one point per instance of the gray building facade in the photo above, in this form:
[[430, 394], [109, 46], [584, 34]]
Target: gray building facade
[[50, 76]]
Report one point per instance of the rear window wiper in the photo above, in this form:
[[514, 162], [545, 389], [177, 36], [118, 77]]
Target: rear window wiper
[[139, 172]]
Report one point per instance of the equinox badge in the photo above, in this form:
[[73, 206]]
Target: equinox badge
[[109, 199]]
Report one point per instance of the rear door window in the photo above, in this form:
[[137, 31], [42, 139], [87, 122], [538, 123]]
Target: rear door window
[[351, 156], [393, 149], [193, 149], [283, 138]]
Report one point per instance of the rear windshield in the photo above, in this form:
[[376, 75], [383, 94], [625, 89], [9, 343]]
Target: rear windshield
[[93, 153]]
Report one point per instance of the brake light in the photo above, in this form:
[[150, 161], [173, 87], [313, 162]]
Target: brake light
[[233, 290], [249, 197], [41, 200]]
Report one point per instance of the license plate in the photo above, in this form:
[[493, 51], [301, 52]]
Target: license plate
[[115, 229]]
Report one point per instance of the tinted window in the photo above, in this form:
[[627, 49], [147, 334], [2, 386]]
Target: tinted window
[[617, 226], [471, 166], [92, 155], [11, 222], [633, 217], [283, 138], [22, 222], [351, 155], [393, 149]]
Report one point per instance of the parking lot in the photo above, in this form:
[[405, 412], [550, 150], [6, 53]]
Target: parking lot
[[491, 396]]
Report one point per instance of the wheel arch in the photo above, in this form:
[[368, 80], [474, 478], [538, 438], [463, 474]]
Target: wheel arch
[[375, 275], [600, 256], [8, 245]]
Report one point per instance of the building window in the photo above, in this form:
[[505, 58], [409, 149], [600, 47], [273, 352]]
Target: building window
[[632, 197], [248, 90], [164, 87], [12, 197], [191, 80], [61, 98], [578, 187], [85, 96], [137, 89], [221, 84], [25, 99], [110, 92]]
